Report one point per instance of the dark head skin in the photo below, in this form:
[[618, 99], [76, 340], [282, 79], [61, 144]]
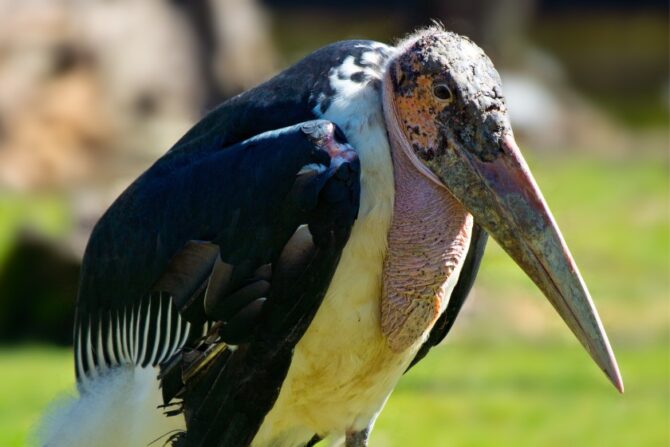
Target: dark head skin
[[445, 108], [446, 86]]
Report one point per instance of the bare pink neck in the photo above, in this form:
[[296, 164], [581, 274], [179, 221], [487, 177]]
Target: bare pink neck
[[428, 239]]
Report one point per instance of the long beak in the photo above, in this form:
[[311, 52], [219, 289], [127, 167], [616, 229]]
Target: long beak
[[504, 198]]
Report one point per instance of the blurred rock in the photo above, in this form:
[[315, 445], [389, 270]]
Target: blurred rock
[[147, 60], [86, 82], [94, 90], [244, 53], [56, 134]]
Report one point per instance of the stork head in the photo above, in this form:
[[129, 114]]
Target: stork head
[[445, 110]]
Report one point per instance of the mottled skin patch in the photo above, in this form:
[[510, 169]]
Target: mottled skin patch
[[417, 108], [441, 94], [474, 117]]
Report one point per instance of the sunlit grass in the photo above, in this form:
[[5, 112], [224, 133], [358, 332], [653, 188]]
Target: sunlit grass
[[504, 393], [512, 393], [30, 378]]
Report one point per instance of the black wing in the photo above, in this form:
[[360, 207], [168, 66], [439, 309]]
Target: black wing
[[465, 281], [225, 394], [203, 227]]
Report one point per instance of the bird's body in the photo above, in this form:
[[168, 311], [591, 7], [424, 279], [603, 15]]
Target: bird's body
[[342, 370], [349, 305]]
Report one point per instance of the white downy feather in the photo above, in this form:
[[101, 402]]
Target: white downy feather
[[118, 408]]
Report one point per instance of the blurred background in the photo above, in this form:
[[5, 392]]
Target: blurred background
[[92, 91]]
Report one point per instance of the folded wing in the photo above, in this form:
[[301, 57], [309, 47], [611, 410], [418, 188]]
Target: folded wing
[[203, 237]]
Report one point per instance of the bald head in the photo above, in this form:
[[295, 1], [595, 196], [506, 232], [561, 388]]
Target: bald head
[[445, 88]]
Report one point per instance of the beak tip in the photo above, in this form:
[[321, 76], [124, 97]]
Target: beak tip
[[616, 379], [611, 370]]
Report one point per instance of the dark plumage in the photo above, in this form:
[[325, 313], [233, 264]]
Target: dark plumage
[[165, 235]]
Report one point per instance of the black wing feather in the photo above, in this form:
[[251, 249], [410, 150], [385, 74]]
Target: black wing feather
[[241, 203], [226, 405]]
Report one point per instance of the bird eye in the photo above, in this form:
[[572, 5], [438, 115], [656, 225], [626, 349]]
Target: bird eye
[[442, 92]]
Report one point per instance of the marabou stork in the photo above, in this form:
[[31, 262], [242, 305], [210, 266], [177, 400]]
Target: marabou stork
[[323, 231]]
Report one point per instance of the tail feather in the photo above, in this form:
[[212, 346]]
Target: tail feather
[[118, 408]]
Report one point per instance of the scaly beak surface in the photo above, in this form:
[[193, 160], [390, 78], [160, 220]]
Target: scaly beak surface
[[504, 198]]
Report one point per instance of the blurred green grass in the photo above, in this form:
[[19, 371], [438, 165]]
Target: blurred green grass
[[464, 394], [31, 377], [510, 374], [47, 214], [515, 394]]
